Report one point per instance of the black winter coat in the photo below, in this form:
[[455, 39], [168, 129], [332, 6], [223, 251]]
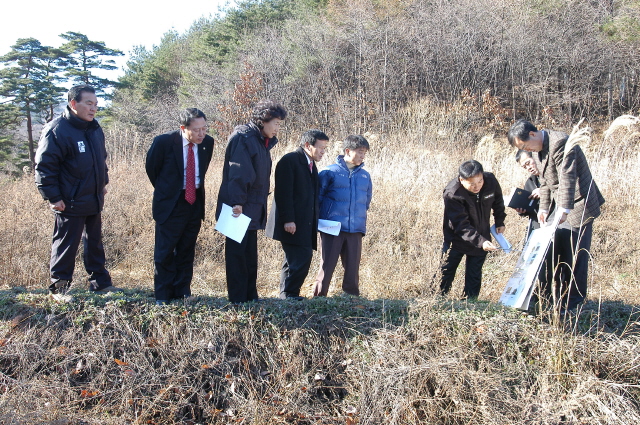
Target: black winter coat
[[532, 184], [295, 200], [466, 223], [246, 174], [71, 165]]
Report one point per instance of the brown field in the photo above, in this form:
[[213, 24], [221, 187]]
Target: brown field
[[397, 355]]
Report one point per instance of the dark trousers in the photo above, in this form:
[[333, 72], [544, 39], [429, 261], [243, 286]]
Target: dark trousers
[[347, 247], [175, 250], [295, 267], [473, 272], [567, 265], [67, 233], [241, 262]]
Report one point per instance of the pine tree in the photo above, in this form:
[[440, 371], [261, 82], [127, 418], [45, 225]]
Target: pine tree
[[85, 57], [29, 81]]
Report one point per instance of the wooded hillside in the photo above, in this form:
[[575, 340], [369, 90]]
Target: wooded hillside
[[350, 66]]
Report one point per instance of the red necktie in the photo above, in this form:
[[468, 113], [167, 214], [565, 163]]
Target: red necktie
[[190, 185], [311, 167]]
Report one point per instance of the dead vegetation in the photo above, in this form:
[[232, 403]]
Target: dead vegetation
[[121, 360], [397, 355]]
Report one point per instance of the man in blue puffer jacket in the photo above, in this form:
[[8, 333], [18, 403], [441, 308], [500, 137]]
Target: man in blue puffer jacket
[[345, 195]]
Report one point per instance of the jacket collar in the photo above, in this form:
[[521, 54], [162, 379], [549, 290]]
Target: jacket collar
[[545, 141], [304, 155], [253, 130], [342, 163], [543, 155], [77, 122]]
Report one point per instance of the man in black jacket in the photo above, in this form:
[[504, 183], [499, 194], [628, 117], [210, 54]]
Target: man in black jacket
[[176, 165], [71, 173], [525, 160], [294, 215], [468, 202], [245, 187]]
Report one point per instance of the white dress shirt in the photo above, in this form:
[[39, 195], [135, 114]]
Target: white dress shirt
[[185, 152]]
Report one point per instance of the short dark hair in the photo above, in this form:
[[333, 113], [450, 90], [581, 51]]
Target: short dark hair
[[266, 110], [189, 114], [520, 130], [355, 141], [312, 136], [75, 92], [470, 169], [522, 153]]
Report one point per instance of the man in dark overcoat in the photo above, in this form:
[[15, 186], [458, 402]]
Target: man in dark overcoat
[[294, 215], [565, 178]]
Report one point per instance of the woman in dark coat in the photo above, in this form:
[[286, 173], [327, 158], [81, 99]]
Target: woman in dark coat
[[245, 187]]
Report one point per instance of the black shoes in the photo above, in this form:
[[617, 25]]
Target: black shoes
[[294, 297]]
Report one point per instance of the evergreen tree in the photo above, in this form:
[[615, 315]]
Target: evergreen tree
[[9, 119], [85, 57], [156, 72], [29, 80]]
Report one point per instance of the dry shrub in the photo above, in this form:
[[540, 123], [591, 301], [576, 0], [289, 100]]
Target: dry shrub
[[25, 234], [327, 361]]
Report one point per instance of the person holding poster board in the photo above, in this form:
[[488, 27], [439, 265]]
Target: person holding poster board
[[345, 196], [469, 201], [566, 178], [532, 185]]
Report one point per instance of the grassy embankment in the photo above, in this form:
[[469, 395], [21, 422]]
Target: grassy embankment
[[397, 355]]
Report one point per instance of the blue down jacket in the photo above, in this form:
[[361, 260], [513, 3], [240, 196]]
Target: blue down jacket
[[345, 195]]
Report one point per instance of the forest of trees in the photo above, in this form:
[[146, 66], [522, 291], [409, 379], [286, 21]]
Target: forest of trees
[[32, 85], [351, 65]]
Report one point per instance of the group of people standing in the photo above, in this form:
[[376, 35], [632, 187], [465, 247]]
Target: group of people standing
[[561, 183], [71, 166], [71, 174], [301, 197]]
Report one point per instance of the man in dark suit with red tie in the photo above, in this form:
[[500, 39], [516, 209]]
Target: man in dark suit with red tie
[[294, 214], [176, 165], [567, 184]]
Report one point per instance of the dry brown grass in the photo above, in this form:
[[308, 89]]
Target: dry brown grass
[[397, 355], [327, 361]]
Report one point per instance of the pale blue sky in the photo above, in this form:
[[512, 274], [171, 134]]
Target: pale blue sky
[[121, 24]]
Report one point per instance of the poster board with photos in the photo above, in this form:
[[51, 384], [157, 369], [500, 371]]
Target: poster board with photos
[[520, 285]]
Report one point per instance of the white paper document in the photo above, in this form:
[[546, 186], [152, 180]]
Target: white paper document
[[329, 226], [230, 226], [502, 241]]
